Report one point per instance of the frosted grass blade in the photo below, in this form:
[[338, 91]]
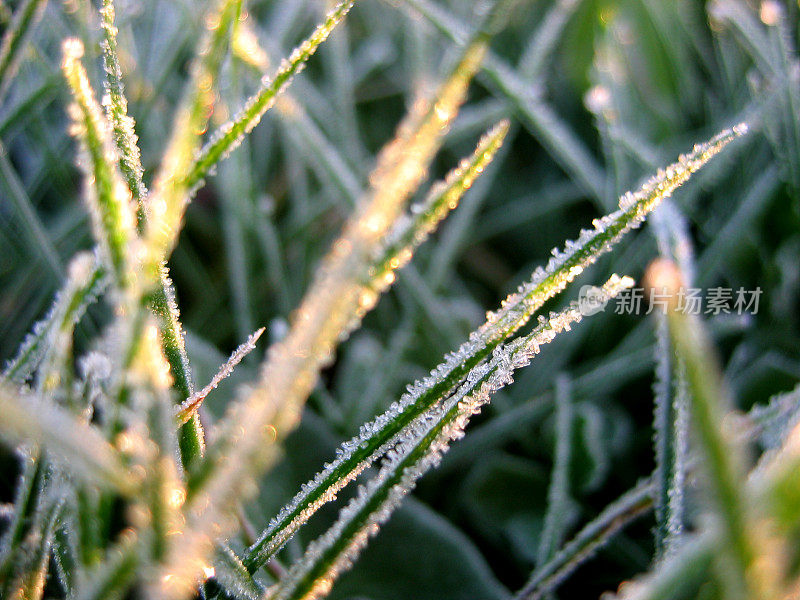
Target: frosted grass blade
[[30, 583], [422, 219], [113, 215], [229, 135], [724, 461], [162, 300], [561, 510], [335, 301], [419, 450], [170, 195], [30, 421], [68, 307], [192, 404], [116, 108], [544, 124], [356, 454]]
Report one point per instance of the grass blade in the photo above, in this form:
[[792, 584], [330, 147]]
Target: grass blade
[[82, 288], [228, 137], [25, 19], [419, 450], [116, 107], [30, 421], [355, 455], [723, 459], [113, 216], [167, 202], [588, 540]]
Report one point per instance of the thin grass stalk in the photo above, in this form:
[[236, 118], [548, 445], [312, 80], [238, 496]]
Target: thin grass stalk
[[226, 139], [420, 450], [29, 485], [560, 507], [596, 534], [30, 582], [723, 458], [25, 19], [113, 215], [116, 109], [167, 203], [68, 307], [356, 454]]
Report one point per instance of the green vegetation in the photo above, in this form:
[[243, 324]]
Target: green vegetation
[[343, 218]]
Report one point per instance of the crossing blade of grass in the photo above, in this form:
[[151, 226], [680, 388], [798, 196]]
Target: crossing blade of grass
[[375, 437], [116, 108], [190, 406], [27, 15], [561, 510], [537, 115], [229, 135], [596, 534], [28, 219], [419, 450], [335, 301], [413, 228], [542, 43], [30, 583]]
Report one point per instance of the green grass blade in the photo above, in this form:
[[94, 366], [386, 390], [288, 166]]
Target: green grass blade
[[539, 117], [723, 459], [28, 219], [561, 510], [113, 215], [227, 138], [423, 218], [356, 454], [192, 404], [25, 19], [419, 450], [335, 301], [162, 300], [116, 107], [30, 583]]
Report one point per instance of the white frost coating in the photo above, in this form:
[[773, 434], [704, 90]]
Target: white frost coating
[[515, 311], [116, 106], [190, 405], [419, 449], [228, 137]]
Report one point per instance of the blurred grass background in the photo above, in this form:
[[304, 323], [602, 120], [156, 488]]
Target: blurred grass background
[[600, 93]]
